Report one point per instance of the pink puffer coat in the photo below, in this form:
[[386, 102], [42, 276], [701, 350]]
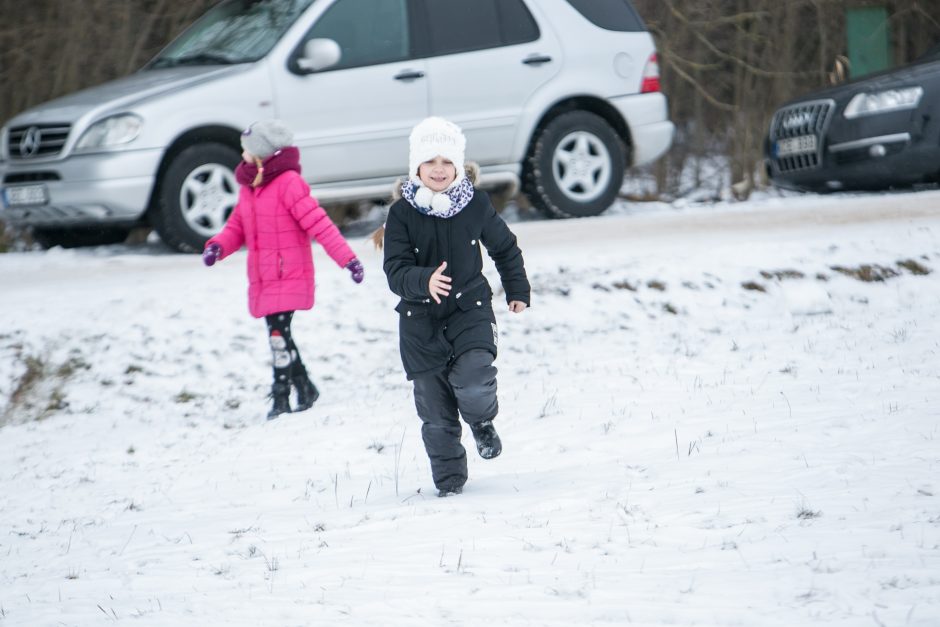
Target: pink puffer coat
[[277, 222]]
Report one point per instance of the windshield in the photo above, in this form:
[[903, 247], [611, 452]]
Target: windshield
[[235, 31]]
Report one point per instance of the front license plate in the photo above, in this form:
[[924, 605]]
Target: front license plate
[[796, 145], [25, 196]]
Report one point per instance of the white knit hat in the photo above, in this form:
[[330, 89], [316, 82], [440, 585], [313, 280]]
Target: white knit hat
[[264, 138], [433, 137]]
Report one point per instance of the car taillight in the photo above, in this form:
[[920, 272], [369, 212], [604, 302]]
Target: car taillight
[[650, 76]]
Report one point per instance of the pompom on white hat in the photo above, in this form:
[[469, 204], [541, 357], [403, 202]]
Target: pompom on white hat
[[433, 137], [266, 137]]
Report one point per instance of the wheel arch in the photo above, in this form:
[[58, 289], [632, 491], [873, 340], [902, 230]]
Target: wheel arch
[[218, 134], [592, 104]]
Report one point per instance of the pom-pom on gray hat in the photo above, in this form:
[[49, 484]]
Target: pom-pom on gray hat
[[266, 137]]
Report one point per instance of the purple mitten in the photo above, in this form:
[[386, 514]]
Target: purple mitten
[[211, 254], [355, 266]]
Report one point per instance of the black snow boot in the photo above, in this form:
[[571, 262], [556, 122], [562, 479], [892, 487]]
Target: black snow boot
[[445, 492], [280, 392], [307, 392], [488, 443]]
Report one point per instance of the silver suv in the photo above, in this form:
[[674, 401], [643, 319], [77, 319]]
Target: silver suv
[[558, 96]]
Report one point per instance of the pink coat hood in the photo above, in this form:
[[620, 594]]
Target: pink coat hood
[[276, 222]]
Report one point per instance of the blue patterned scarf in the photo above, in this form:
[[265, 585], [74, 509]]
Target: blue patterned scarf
[[459, 196]]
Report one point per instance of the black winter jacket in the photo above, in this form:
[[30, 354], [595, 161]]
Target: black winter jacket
[[431, 335]]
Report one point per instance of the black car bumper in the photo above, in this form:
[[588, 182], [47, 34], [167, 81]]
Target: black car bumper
[[868, 166]]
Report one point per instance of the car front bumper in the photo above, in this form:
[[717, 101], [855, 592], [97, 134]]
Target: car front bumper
[[97, 188], [868, 163]]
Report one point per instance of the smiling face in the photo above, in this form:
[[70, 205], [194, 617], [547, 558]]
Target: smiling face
[[437, 174]]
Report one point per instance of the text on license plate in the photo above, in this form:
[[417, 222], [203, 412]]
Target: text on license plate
[[25, 195], [796, 145]]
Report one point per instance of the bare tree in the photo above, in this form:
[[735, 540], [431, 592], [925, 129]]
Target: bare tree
[[52, 47], [728, 64]]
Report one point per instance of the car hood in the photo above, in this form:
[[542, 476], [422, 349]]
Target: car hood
[[895, 77], [120, 94]]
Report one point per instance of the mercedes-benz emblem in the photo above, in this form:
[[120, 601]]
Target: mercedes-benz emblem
[[29, 143]]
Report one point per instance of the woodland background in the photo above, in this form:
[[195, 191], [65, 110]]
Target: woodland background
[[726, 64]]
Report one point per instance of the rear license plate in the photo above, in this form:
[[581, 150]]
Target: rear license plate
[[25, 195], [796, 145]]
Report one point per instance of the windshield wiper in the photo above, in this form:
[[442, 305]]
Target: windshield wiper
[[199, 58]]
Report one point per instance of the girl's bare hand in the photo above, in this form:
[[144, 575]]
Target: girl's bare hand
[[517, 306], [439, 285]]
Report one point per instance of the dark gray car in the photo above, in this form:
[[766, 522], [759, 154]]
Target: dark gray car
[[877, 132]]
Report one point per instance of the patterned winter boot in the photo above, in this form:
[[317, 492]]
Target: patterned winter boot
[[307, 392], [280, 392], [488, 442]]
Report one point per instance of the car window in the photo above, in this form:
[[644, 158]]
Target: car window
[[235, 31], [516, 24], [368, 32], [460, 26], [610, 14]]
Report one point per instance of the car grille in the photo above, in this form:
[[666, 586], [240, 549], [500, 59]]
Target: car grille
[[36, 140], [30, 177], [801, 120]]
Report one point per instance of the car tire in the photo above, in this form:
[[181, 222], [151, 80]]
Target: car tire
[[78, 237], [576, 166], [196, 195]]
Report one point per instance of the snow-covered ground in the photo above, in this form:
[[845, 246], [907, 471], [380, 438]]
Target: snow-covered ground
[[708, 418]]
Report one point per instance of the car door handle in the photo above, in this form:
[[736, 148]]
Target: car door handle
[[537, 59], [409, 75]]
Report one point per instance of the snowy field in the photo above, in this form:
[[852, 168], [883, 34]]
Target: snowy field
[[711, 416]]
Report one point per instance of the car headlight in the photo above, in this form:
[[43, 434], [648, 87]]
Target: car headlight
[[883, 101], [110, 132]]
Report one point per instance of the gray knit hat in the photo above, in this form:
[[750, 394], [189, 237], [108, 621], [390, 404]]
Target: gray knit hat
[[265, 137]]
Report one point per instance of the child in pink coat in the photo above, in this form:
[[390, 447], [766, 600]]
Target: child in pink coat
[[276, 217]]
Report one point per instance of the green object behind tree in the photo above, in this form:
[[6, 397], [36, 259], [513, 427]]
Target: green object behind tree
[[869, 43]]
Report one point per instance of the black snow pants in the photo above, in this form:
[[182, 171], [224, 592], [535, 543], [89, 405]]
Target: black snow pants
[[467, 386]]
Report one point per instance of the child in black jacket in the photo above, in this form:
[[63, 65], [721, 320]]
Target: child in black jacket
[[447, 328]]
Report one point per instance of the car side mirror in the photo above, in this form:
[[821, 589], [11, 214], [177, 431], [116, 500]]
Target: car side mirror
[[319, 54]]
